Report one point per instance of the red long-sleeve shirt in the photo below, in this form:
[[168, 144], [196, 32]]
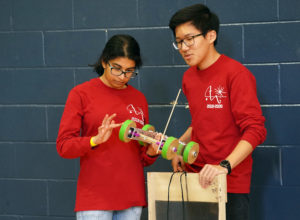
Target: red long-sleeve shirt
[[225, 109], [111, 175]]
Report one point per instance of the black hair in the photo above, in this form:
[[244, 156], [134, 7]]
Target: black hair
[[199, 15], [119, 46]]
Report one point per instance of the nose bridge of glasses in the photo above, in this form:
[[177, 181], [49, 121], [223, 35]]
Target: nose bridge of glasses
[[123, 75]]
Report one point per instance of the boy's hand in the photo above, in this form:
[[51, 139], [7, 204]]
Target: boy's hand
[[178, 164]]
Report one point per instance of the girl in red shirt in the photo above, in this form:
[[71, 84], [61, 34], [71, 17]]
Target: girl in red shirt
[[111, 181]]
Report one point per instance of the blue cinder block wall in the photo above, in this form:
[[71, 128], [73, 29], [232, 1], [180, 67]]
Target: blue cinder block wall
[[45, 49]]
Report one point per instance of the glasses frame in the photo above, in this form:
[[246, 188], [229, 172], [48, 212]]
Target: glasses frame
[[133, 74], [176, 43]]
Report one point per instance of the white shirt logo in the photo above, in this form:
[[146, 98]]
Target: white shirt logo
[[214, 95], [137, 112]]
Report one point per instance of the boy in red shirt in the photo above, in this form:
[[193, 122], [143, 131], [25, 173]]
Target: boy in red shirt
[[227, 120]]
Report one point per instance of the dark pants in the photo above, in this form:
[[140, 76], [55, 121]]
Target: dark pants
[[237, 206]]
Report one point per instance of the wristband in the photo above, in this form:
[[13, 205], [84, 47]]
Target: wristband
[[92, 143]]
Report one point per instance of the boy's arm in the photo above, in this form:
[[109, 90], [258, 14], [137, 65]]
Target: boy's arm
[[242, 150], [186, 137]]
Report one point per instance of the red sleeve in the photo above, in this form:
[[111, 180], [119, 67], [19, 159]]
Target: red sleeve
[[246, 108], [69, 144], [147, 160]]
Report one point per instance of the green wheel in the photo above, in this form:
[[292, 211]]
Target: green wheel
[[146, 127], [123, 133], [190, 152], [168, 151]]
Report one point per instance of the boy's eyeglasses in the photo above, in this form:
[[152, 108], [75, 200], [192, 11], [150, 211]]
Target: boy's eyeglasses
[[188, 41]]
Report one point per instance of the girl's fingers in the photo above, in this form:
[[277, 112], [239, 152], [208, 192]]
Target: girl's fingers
[[107, 119], [116, 125], [104, 120], [109, 126]]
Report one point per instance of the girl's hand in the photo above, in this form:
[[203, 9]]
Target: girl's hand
[[105, 130]]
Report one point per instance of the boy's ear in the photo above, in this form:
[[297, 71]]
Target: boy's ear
[[211, 36]]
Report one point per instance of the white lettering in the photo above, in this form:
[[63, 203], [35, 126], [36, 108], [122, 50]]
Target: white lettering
[[137, 120], [210, 106]]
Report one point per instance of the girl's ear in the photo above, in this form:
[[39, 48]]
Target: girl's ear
[[104, 65]]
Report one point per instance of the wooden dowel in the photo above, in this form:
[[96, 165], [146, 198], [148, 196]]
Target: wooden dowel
[[174, 104]]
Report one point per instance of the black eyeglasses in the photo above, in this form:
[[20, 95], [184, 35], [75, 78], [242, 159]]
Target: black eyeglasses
[[118, 72], [188, 41]]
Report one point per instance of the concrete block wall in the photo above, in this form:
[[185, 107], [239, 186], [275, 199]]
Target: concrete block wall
[[45, 49]]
